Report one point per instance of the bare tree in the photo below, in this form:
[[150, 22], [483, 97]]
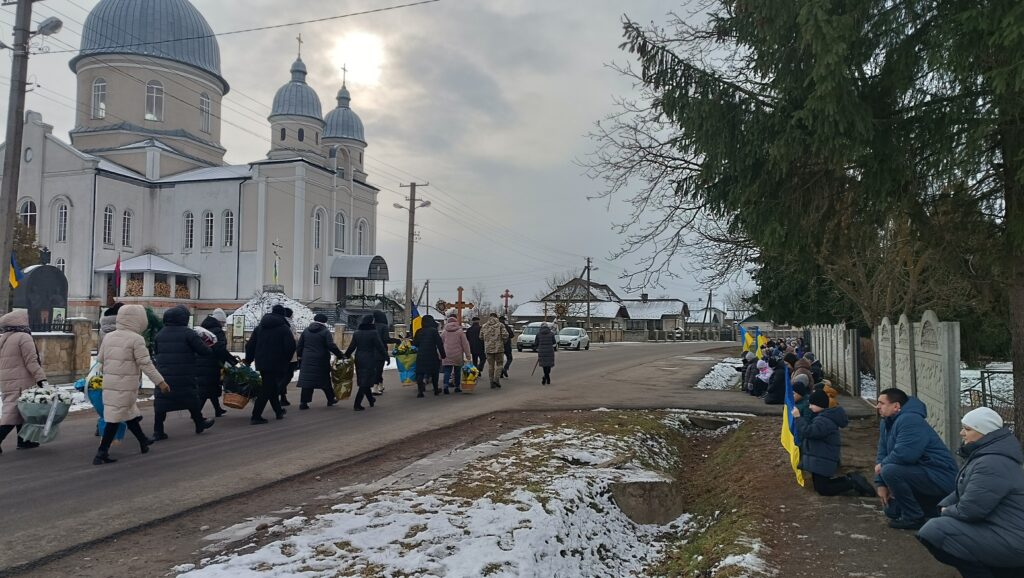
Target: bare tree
[[481, 304], [554, 281]]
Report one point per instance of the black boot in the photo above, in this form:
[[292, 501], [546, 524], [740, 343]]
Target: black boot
[[102, 458], [204, 425]]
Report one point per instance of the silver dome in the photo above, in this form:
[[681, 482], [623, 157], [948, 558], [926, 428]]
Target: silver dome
[[169, 29], [343, 122], [297, 98]]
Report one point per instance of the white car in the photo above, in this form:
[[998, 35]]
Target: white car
[[528, 338], [574, 338]]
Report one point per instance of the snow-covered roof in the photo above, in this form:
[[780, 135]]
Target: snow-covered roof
[[255, 308], [144, 263], [360, 267], [602, 309], [698, 316], [653, 308], [227, 172]]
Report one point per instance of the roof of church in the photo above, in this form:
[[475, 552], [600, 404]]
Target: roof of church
[[297, 98], [170, 29], [343, 122]]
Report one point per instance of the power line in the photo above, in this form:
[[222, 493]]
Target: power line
[[258, 28]]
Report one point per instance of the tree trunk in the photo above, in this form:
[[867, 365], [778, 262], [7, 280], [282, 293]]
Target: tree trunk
[[1012, 147]]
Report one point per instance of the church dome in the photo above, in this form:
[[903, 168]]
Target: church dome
[[169, 29], [297, 98], [343, 122]]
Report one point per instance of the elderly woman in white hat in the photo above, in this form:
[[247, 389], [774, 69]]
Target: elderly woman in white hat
[[981, 529]]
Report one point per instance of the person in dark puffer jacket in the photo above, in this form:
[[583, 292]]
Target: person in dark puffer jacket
[[818, 431], [980, 530], [545, 342], [271, 347], [368, 348], [208, 369], [177, 347], [315, 348], [383, 328], [429, 353]]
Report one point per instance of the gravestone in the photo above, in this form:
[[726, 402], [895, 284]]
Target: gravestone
[[44, 292]]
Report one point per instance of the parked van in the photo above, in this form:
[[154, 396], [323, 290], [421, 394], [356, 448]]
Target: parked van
[[528, 338]]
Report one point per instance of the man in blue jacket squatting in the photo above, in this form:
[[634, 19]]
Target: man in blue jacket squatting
[[914, 469]]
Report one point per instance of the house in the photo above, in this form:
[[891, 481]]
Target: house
[[706, 317], [608, 314], [655, 314]]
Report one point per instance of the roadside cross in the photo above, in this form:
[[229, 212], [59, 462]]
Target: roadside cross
[[506, 296]]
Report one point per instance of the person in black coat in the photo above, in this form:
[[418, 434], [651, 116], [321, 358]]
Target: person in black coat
[[545, 343], [177, 347], [476, 345], [271, 346], [776, 393], [429, 353], [315, 348], [508, 346], [208, 368], [368, 347], [383, 328]]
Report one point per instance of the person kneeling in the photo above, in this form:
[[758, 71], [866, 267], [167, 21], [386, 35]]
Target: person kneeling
[[818, 431], [980, 530]]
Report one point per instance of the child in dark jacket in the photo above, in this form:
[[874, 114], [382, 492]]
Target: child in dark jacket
[[818, 431]]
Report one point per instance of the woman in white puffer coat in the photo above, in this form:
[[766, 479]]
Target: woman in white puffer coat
[[124, 358], [19, 370]]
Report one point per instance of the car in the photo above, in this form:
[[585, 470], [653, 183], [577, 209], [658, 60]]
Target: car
[[528, 338], [574, 338]]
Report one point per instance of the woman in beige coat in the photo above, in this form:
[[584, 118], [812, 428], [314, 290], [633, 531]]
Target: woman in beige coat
[[19, 370], [124, 358]]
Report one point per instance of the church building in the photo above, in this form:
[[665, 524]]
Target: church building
[[143, 177]]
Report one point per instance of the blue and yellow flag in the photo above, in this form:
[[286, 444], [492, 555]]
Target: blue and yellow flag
[[790, 439], [16, 273], [415, 320]]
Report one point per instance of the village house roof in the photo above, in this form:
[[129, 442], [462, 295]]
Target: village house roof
[[653, 309], [601, 309]]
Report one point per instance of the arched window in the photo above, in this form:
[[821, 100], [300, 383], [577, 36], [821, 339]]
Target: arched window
[[61, 264], [189, 233], [108, 226], [27, 214], [207, 229], [318, 226], [229, 229], [126, 229], [302, 134], [361, 238], [99, 98], [339, 231], [62, 224], [316, 275], [284, 134], [154, 101], [204, 112]]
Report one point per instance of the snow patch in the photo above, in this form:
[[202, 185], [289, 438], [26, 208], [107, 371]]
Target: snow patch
[[723, 376]]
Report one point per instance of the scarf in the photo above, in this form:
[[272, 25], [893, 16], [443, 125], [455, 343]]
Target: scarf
[[16, 329]]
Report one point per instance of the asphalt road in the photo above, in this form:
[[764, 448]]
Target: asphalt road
[[53, 499]]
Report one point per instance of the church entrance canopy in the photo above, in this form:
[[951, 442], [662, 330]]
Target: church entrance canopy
[[370, 267], [149, 264]]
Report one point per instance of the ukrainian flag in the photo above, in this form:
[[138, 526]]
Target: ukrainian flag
[[16, 273], [790, 440], [416, 321]]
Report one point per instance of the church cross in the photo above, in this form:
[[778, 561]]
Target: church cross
[[459, 305], [344, 73], [506, 296], [299, 38]]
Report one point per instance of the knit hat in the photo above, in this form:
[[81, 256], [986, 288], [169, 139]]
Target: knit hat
[[810, 357], [277, 310], [800, 387], [320, 318], [762, 365], [802, 379], [820, 399], [749, 356], [219, 315], [982, 420]]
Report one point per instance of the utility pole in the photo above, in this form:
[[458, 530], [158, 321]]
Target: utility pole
[[588, 294], [413, 205], [15, 130]]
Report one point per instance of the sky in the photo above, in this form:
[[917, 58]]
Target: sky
[[490, 101]]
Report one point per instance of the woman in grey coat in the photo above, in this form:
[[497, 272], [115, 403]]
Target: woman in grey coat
[[980, 531], [545, 352]]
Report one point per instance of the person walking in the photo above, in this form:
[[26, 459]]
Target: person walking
[[980, 527], [125, 357], [494, 334], [429, 352], [508, 346], [383, 328], [293, 365], [456, 352], [19, 370], [315, 348], [545, 342], [177, 349], [368, 349], [476, 345], [271, 347], [208, 368]]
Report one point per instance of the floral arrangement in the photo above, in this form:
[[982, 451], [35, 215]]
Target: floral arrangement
[[241, 379], [470, 371], [96, 383], [45, 395], [404, 348]]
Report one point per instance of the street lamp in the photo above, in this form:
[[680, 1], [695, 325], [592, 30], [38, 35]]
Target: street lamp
[[49, 27]]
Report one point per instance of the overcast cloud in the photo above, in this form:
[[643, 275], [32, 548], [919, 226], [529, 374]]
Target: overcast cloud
[[489, 100]]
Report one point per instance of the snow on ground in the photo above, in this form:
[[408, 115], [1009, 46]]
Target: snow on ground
[[868, 387], [722, 376], [999, 384], [539, 507]]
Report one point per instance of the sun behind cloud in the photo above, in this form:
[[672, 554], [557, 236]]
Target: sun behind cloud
[[363, 54]]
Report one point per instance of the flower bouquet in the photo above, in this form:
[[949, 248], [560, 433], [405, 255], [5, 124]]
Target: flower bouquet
[[43, 408], [470, 373], [405, 359], [342, 371], [240, 385]]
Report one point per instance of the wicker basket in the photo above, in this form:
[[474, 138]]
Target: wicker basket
[[235, 400]]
